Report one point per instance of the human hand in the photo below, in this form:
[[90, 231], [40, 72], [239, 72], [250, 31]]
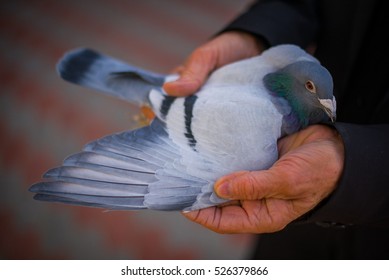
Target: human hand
[[309, 167], [226, 48]]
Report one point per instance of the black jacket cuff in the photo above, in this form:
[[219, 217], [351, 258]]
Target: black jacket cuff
[[365, 178]]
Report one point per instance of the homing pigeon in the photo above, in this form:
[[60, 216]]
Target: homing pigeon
[[231, 123]]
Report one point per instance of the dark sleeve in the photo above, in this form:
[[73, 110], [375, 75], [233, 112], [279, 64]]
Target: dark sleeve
[[362, 195], [280, 22]]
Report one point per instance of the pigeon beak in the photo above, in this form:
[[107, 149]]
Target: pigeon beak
[[329, 107]]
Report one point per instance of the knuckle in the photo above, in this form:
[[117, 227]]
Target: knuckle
[[246, 186]]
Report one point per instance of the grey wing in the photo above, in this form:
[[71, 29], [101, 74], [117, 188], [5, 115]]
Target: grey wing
[[131, 170], [91, 69]]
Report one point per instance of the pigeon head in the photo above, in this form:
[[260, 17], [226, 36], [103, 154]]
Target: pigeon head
[[308, 87]]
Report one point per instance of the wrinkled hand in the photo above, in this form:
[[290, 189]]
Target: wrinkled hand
[[226, 48], [309, 166]]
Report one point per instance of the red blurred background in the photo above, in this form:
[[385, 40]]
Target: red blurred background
[[43, 119]]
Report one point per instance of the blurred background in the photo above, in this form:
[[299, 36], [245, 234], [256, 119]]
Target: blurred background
[[43, 119]]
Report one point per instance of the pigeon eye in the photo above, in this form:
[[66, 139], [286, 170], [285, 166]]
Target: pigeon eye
[[310, 86]]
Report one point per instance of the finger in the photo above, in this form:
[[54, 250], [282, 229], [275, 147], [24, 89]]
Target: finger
[[253, 185], [193, 74], [229, 219], [252, 217]]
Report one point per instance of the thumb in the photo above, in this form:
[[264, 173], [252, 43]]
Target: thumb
[[193, 73], [250, 185]]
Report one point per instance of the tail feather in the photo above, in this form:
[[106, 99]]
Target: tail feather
[[91, 69]]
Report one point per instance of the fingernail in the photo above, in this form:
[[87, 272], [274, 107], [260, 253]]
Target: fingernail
[[190, 214], [180, 87], [224, 190]]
